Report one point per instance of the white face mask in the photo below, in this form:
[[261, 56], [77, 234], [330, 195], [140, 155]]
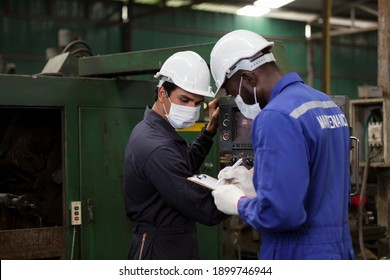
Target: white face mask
[[181, 116], [249, 111]]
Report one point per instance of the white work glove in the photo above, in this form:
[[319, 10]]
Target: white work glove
[[239, 176], [226, 198]]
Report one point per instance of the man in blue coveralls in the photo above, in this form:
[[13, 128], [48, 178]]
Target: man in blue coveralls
[[299, 194]]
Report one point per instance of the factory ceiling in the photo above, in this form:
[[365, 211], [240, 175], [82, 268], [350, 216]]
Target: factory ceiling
[[347, 16]]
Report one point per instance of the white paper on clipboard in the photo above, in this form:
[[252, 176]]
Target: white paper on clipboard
[[204, 180]]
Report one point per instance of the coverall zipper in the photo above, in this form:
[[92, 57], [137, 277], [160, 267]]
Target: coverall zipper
[[142, 244]]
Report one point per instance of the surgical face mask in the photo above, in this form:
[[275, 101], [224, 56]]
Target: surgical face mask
[[182, 116], [249, 111]]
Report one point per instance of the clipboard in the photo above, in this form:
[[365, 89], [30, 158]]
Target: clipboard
[[205, 181]]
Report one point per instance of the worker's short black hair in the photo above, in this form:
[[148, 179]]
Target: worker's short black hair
[[169, 87]]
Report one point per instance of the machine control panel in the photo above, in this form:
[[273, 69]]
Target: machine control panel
[[235, 132], [75, 213], [234, 135]]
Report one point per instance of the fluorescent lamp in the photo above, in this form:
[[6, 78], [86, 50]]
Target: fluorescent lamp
[[217, 8], [307, 31], [125, 13], [272, 4], [295, 16], [147, 2], [252, 11], [177, 3]]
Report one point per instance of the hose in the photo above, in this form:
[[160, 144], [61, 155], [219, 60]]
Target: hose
[[74, 50], [73, 43], [363, 189], [362, 193], [73, 240]]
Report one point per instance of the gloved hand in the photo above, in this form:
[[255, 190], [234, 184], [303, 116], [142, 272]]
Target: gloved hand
[[239, 176], [226, 198]]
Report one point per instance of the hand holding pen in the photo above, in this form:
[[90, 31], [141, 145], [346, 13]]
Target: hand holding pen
[[235, 165], [238, 176]]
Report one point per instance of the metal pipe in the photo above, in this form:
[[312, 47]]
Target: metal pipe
[[326, 46], [361, 200], [309, 63]]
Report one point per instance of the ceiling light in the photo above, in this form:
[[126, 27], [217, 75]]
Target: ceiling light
[[147, 2], [272, 4], [125, 13], [307, 31], [177, 3], [252, 11], [295, 16], [218, 8]]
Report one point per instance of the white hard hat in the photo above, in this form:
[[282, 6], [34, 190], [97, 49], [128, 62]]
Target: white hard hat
[[237, 50], [187, 70]]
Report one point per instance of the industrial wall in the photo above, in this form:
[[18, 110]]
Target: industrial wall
[[29, 28]]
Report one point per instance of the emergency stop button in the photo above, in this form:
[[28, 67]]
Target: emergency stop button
[[226, 136]]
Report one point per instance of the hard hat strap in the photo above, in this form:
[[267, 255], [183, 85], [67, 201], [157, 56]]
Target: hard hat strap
[[163, 80]]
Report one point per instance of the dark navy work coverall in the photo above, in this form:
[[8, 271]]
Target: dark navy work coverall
[[159, 200]]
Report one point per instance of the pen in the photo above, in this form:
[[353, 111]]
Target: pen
[[236, 164]]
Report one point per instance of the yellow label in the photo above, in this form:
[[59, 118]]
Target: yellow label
[[197, 127]]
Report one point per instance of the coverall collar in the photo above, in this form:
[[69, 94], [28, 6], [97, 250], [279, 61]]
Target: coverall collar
[[159, 123], [287, 79]]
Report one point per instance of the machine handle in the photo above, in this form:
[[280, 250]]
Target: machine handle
[[353, 138]]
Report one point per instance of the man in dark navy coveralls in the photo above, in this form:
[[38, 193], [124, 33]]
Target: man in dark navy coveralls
[[160, 202]]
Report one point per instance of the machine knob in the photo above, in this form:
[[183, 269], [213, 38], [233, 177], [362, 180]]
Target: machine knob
[[233, 160], [249, 161], [226, 122], [226, 136]]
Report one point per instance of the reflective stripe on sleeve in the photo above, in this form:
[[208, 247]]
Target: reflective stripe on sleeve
[[311, 105]]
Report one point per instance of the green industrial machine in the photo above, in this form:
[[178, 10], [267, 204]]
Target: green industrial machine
[[62, 139]]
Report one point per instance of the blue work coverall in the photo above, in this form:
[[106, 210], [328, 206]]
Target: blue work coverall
[[301, 175], [159, 200]]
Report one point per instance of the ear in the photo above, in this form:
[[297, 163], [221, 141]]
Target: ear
[[161, 94], [250, 77]]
